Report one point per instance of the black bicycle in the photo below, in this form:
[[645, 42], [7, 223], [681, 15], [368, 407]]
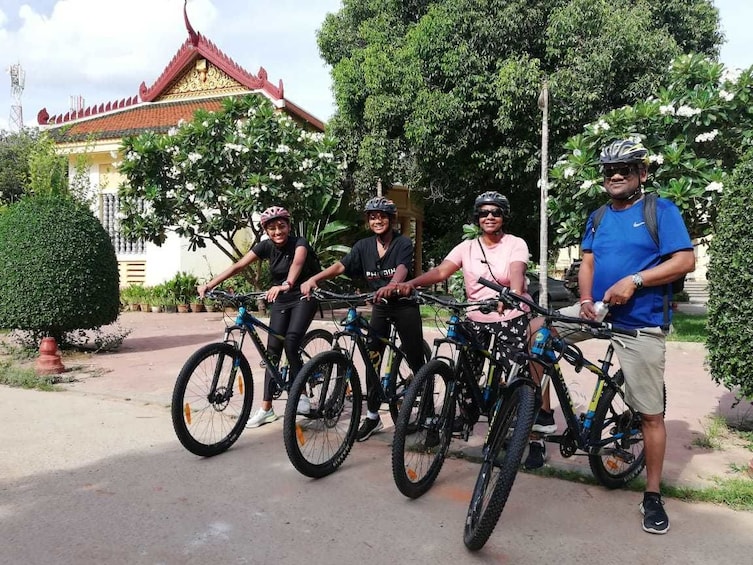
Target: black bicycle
[[214, 392], [609, 433], [325, 402], [457, 387]]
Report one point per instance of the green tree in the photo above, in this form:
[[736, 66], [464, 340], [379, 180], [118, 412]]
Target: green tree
[[14, 164], [48, 170], [441, 95], [730, 278], [58, 270], [696, 128], [205, 179]]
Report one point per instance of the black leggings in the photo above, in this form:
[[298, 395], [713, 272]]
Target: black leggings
[[291, 320], [407, 319]]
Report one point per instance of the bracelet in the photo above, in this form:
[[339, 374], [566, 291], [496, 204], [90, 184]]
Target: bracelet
[[286, 283], [586, 301]]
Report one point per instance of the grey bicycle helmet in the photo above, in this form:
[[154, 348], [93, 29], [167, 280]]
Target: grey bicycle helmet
[[624, 151], [494, 198], [381, 204]]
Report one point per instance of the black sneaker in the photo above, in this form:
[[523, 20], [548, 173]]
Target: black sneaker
[[536, 456], [655, 519], [544, 423], [368, 427]]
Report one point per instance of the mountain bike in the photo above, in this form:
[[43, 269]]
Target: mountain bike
[[325, 401], [214, 391], [446, 398], [609, 432]]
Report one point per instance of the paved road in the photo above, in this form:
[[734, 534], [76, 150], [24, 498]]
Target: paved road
[[88, 478]]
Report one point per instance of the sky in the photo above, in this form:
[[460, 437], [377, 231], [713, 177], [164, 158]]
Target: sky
[[102, 50]]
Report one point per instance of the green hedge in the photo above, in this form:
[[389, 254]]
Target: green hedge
[[730, 278], [58, 270]]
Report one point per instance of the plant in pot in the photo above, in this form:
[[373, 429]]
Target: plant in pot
[[183, 286], [197, 304], [146, 298]]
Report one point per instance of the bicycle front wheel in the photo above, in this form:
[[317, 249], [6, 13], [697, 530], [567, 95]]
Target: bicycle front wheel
[[322, 414], [423, 429], [503, 450], [617, 454], [212, 399], [315, 342], [401, 376]]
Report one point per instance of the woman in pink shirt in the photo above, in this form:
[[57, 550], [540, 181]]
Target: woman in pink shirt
[[500, 257]]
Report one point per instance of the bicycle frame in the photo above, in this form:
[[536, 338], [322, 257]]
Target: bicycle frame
[[359, 330]]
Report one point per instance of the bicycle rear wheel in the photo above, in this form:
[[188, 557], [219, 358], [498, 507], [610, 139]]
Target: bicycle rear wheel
[[207, 419], [617, 455], [503, 450], [401, 376], [322, 414], [423, 429]]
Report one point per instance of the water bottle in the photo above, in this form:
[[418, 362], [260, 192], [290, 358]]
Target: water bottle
[[284, 373], [452, 332], [601, 309], [580, 402]]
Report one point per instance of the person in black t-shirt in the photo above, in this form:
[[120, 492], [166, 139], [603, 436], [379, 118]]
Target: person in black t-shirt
[[386, 257], [291, 260]]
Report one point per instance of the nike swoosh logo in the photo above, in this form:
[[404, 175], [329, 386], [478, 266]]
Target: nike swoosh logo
[[638, 224]]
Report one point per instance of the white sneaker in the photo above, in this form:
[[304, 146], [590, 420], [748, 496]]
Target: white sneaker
[[304, 406], [261, 417]]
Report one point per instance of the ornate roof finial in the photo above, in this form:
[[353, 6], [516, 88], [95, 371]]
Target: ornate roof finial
[[191, 32]]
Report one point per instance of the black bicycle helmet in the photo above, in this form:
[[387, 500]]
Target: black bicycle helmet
[[381, 204], [494, 198], [624, 151]]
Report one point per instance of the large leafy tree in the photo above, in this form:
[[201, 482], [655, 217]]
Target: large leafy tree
[[207, 178], [441, 94], [696, 129], [15, 148]]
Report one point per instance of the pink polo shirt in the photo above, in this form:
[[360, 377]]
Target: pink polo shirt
[[495, 267]]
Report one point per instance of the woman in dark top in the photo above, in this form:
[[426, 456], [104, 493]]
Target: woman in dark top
[[386, 257], [291, 260]]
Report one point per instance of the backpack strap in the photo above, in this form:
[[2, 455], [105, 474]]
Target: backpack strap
[[598, 216]]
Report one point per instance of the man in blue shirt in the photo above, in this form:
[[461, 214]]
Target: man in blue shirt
[[624, 266]]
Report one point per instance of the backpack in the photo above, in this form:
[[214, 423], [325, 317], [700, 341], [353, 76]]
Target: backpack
[[649, 216]]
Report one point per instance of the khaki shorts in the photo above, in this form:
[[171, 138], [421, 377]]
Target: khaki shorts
[[642, 359]]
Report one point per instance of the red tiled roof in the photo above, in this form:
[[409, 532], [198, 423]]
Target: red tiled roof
[[157, 117]]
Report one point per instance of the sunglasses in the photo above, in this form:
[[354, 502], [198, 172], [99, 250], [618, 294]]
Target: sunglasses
[[495, 212], [374, 216], [622, 170]]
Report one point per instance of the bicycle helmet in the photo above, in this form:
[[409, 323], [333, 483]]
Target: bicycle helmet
[[274, 213], [624, 151], [494, 198], [381, 204]]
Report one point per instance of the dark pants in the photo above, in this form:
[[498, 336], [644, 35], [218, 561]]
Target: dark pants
[[291, 320], [407, 319]]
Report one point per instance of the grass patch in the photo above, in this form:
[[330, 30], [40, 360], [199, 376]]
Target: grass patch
[[735, 492], [714, 431], [688, 327], [19, 377]]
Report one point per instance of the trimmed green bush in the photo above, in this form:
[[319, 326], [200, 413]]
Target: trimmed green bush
[[58, 270], [730, 278]]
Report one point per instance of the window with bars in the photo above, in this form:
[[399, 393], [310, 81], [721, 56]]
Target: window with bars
[[109, 218]]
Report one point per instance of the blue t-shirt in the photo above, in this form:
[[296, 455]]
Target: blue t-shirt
[[622, 246]]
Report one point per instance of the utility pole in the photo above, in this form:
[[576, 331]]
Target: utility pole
[[17, 82], [544, 233]]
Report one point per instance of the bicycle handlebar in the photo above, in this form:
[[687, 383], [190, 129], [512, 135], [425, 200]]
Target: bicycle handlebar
[[485, 306], [225, 296], [515, 300]]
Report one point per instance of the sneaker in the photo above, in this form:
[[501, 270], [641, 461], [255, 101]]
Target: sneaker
[[655, 519], [261, 417], [368, 427], [536, 456], [544, 423], [304, 406]]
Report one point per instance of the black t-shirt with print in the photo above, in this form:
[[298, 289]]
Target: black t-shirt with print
[[364, 261], [280, 259]]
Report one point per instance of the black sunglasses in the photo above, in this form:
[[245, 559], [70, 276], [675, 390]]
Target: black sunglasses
[[622, 170], [496, 212]]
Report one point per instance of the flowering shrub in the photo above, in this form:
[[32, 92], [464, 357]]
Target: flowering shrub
[[206, 179], [695, 129]]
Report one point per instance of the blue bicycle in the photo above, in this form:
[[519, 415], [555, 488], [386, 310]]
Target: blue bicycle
[[214, 392]]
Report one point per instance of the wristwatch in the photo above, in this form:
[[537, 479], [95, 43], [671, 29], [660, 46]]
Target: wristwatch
[[287, 284], [638, 280]]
